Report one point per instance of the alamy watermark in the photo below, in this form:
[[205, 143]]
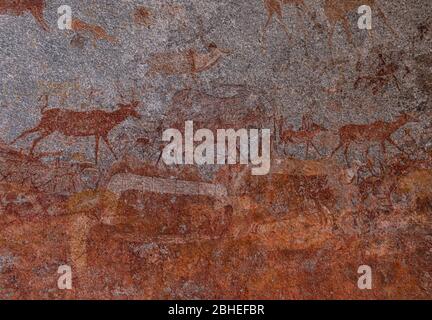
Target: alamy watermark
[[64, 22], [222, 150], [64, 282], [365, 280], [365, 20]]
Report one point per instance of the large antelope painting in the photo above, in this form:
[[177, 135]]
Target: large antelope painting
[[97, 123]]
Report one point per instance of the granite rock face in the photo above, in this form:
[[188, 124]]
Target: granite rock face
[[83, 183]]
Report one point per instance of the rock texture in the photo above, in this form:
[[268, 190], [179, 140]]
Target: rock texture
[[82, 116]]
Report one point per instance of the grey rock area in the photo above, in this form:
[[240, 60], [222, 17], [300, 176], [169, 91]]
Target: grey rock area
[[297, 72], [6, 261]]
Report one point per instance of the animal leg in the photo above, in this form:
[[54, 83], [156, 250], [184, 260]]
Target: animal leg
[[366, 154], [38, 15], [264, 30], [305, 8], [25, 133], [389, 197], [161, 149], [35, 142], [347, 29], [269, 18], [377, 86], [284, 26], [357, 82], [372, 36], [394, 144], [397, 82], [160, 156], [94, 42], [285, 150], [315, 148], [330, 39], [346, 26], [105, 139], [96, 148], [383, 149], [346, 153], [305, 30], [337, 148], [382, 15]]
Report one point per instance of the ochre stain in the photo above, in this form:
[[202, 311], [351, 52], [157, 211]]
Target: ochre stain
[[19, 7], [97, 32], [142, 16]]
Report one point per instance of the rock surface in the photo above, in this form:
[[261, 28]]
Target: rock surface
[[82, 183]]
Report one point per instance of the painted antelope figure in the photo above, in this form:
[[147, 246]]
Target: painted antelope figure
[[305, 135], [275, 8], [18, 7], [190, 61], [70, 123], [380, 79], [379, 131], [186, 62], [97, 32], [385, 72], [337, 11], [243, 107]]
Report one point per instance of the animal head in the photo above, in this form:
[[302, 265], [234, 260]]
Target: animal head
[[129, 109], [317, 127], [212, 47], [182, 97]]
